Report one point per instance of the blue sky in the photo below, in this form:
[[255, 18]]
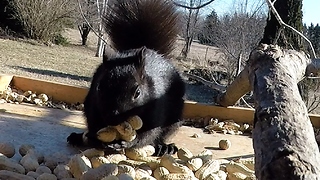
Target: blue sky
[[311, 11], [310, 8]]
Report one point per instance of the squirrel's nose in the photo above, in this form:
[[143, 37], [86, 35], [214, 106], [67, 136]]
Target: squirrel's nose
[[116, 112]]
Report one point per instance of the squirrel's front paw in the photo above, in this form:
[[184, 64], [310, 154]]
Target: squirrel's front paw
[[119, 145], [75, 139]]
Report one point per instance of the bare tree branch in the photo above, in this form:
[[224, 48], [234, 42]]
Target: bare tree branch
[[213, 85], [197, 7], [274, 11]]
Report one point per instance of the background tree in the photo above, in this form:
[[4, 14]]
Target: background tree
[[313, 33], [209, 29], [191, 19], [291, 13], [236, 34], [87, 7], [97, 8], [8, 24], [309, 87]]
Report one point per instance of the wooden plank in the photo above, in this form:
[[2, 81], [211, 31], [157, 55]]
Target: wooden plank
[[315, 120], [238, 114], [5, 81], [74, 94], [59, 92]]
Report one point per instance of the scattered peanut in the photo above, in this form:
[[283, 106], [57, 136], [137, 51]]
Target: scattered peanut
[[52, 160], [184, 154], [62, 171], [98, 161], [107, 134], [135, 153], [205, 155], [134, 164], [43, 169], [125, 131], [7, 149], [24, 148], [234, 167], [141, 173], [33, 174], [79, 165], [160, 171], [135, 122], [178, 176], [224, 144], [170, 163], [195, 163], [10, 165], [89, 153], [30, 161], [249, 162], [209, 167], [115, 158], [17, 96], [101, 172], [126, 170], [236, 176], [47, 176], [6, 174]]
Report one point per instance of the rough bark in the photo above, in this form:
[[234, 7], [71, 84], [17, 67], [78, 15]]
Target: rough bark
[[283, 137]]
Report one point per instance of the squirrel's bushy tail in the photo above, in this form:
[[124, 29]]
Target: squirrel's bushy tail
[[132, 24]]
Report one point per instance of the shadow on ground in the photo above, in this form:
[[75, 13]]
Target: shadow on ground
[[53, 73]]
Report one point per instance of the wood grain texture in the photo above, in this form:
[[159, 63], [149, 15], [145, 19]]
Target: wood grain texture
[[59, 92]]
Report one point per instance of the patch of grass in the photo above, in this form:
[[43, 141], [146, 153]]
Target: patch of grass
[[71, 64], [64, 64]]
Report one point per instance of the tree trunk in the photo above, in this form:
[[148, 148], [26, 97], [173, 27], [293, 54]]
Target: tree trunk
[[101, 11], [191, 24], [84, 31], [290, 12], [283, 136]]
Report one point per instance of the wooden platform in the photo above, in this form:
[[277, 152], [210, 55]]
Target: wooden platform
[[73, 94]]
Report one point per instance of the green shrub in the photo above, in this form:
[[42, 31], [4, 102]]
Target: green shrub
[[60, 40]]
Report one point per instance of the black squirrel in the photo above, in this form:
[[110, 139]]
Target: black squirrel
[[137, 79]]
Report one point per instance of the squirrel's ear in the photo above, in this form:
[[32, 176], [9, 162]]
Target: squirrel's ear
[[141, 54]]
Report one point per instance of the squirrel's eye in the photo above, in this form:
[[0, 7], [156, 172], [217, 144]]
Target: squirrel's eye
[[136, 93]]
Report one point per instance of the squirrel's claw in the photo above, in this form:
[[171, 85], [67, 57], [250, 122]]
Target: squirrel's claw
[[119, 145], [162, 149]]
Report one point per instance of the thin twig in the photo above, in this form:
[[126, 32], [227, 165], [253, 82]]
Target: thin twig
[[274, 11], [189, 7], [246, 103], [213, 85]]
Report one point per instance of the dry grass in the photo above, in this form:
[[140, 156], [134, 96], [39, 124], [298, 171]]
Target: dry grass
[[72, 64]]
